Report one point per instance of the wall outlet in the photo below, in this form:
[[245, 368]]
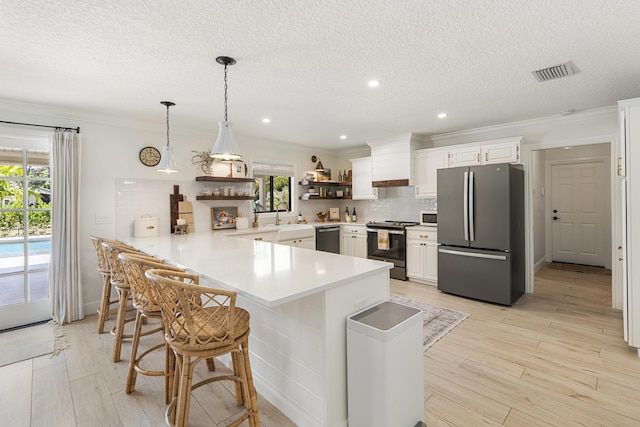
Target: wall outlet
[[103, 219], [360, 304]]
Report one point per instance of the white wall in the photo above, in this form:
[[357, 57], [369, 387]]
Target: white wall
[[538, 206]]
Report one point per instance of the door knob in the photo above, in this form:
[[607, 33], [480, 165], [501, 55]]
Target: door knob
[[555, 218], [555, 211]]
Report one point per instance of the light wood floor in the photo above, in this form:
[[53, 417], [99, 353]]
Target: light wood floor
[[555, 358]]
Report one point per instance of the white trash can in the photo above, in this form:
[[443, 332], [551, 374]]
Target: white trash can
[[385, 377]]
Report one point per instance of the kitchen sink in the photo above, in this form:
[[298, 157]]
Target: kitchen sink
[[295, 231]]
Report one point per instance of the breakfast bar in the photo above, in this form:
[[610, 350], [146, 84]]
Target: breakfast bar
[[299, 300]]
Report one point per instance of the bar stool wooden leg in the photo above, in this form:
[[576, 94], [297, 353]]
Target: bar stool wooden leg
[[103, 310], [135, 358], [251, 401], [169, 369], [132, 374], [184, 392], [236, 360], [120, 321]]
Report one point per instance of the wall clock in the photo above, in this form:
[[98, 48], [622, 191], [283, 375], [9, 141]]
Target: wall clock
[[149, 156]]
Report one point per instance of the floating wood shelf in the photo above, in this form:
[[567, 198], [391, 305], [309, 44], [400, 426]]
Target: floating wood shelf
[[223, 179], [327, 184], [311, 197], [225, 197]]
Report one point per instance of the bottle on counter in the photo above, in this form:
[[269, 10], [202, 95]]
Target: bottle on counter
[[347, 217], [353, 216], [299, 216]]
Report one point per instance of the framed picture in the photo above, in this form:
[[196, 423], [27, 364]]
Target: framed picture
[[223, 218], [239, 169], [323, 174], [334, 214]]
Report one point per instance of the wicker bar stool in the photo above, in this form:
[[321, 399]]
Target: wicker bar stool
[[104, 309], [117, 279], [134, 267], [203, 322]]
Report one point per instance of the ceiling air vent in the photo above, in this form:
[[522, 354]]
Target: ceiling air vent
[[555, 72]]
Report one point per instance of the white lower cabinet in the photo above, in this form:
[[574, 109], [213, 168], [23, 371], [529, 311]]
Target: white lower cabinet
[[307, 243], [354, 241], [422, 254], [266, 236]]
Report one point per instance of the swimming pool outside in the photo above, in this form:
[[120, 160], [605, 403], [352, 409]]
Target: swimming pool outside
[[16, 249]]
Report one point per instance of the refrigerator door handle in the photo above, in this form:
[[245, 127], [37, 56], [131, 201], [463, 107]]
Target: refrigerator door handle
[[472, 229], [473, 254], [465, 206]]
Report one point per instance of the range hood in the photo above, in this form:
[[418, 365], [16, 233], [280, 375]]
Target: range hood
[[392, 160]]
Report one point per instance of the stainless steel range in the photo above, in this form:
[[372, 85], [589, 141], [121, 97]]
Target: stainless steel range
[[387, 241]]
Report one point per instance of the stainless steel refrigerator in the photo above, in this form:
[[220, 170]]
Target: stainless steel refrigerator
[[481, 232]]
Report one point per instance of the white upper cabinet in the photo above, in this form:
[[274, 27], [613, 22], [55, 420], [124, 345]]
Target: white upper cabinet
[[465, 156], [361, 179], [427, 164], [392, 159], [506, 150], [429, 160]]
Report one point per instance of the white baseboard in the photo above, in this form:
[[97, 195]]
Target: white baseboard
[[538, 265]]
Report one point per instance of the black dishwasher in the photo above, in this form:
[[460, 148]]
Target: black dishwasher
[[328, 238]]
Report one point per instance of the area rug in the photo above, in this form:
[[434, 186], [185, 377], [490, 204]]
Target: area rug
[[579, 268], [437, 321], [33, 341]]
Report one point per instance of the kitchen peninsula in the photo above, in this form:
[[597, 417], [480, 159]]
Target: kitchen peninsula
[[298, 300]]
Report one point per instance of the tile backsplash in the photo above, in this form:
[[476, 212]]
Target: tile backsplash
[[137, 197]]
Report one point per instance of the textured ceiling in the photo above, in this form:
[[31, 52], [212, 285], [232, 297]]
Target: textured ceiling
[[305, 63]]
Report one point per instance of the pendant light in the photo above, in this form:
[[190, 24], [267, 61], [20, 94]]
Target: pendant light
[[167, 161], [225, 147]]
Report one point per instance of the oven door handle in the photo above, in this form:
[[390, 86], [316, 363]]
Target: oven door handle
[[372, 230]]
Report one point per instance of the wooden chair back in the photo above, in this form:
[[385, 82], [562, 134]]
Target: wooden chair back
[[134, 266], [195, 317]]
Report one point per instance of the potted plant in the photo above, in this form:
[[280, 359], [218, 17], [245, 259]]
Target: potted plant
[[204, 161]]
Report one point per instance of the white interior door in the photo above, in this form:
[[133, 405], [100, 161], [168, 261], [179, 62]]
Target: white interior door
[[579, 206]]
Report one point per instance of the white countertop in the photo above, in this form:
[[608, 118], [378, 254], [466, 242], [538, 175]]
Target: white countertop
[[266, 273]]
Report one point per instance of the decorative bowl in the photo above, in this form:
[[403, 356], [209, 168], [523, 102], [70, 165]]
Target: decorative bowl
[[321, 217]]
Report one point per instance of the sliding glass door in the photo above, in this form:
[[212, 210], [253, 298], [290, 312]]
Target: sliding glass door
[[25, 236]]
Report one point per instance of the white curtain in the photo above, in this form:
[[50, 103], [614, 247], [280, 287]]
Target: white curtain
[[64, 269]]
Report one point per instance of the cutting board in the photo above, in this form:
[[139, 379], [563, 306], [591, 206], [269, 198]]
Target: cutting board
[[185, 211]]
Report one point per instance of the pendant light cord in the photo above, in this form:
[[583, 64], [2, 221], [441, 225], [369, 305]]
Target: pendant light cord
[[225, 92], [167, 125]]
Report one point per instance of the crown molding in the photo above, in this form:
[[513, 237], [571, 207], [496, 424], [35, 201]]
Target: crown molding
[[524, 127]]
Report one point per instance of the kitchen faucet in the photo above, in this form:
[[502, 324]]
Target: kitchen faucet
[[286, 208]]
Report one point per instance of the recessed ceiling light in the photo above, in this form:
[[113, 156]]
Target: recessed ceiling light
[[374, 83], [567, 148], [442, 115], [266, 120], [343, 136]]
